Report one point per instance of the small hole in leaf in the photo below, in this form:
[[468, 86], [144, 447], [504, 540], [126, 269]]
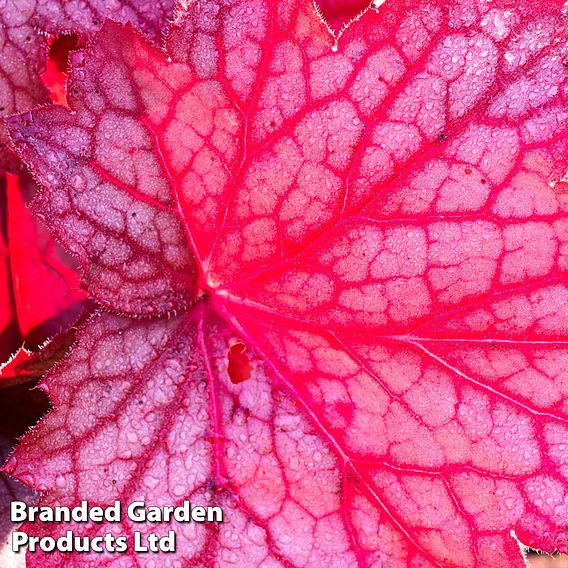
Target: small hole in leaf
[[442, 136], [57, 68], [59, 49], [239, 368]]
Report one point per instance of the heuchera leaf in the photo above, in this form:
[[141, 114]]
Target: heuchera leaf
[[40, 294], [352, 261], [23, 46]]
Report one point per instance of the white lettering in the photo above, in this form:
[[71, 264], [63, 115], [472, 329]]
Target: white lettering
[[136, 512], [182, 514], [198, 514], [215, 514], [113, 513], [138, 546], [121, 544], [168, 542], [19, 540], [18, 511]]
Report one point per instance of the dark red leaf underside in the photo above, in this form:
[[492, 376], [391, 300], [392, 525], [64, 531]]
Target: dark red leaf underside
[[47, 296], [380, 222], [57, 66], [40, 293], [338, 14], [9, 335], [26, 365]]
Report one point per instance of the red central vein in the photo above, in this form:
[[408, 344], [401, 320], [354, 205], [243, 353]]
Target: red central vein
[[220, 478], [238, 175], [167, 169], [214, 411]]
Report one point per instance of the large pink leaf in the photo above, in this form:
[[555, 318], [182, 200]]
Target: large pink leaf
[[23, 46], [378, 224]]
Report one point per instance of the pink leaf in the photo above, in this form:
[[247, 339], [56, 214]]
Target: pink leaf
[[23, 50], [362, 250]]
